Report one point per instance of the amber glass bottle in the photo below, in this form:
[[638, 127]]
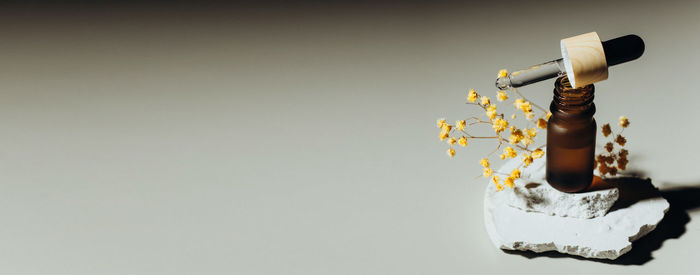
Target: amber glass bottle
[[571, 136]]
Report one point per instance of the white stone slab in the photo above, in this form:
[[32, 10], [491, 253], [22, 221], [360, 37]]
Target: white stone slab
[[536, 195], [607, 236]]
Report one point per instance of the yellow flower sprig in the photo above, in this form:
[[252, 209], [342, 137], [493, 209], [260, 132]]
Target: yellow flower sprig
[[518, 140]]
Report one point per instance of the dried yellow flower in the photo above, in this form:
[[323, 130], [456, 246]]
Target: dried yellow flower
[[515, 136], [624, 122], [542, 124], [529, 115], [502, 96], [503, 73], [606, 129], [472, 96], [487, 172], [531, 132], [509, 181], [485, 101], [509, 152], [518, 102], [512, 116], [491, 111], [441, 122], [527, 159], [620, 140], [609, 147], [623, 153], [527, 141], [485, 163], [462, 141], [499, 187], [495, 179], [526, 107], [499, 125], [451, 152], [452, 141], [461, 124], [444, 134], [515, 173], [538, 153]]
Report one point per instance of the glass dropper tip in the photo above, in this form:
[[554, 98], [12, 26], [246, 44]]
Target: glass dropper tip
[[503, 83]]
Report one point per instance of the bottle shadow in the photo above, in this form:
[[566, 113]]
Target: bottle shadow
[[682, 200]]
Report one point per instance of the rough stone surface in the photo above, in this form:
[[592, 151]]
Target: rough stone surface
[[535, 195], [637, 212]]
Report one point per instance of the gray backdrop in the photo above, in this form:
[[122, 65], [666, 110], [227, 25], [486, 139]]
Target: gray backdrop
[[300, 138]]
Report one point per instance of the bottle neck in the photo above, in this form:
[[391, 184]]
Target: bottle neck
[[572, 101]]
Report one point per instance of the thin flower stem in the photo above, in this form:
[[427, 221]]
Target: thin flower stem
[[516, 145], [470, 136], [477, 122], [497, 149]]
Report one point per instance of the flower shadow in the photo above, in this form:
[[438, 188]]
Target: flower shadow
[[682, 200]]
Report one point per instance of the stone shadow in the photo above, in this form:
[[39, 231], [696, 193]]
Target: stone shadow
[[682, 200]]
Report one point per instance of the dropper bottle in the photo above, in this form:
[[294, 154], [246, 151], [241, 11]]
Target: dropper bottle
[[571, 131], [585, 60]]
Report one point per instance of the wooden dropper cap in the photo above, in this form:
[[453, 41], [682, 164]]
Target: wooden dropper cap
[[586, 58]]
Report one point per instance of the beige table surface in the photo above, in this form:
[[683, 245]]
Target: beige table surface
[[300, 138]]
